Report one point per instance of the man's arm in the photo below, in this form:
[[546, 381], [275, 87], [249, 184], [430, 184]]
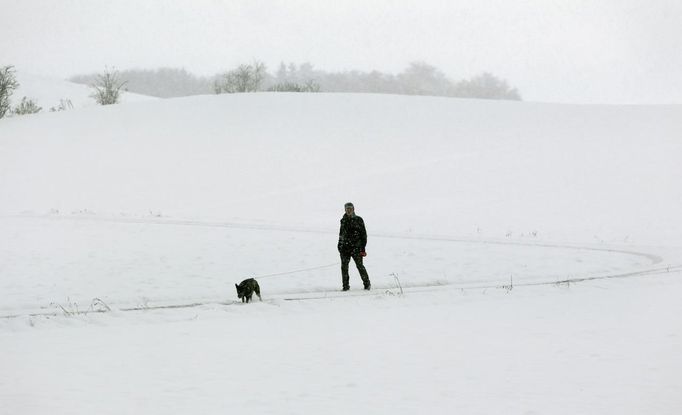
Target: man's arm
[[363, 235]]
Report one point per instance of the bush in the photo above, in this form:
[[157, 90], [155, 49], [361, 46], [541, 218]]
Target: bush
[[310, 86], [8, 83], [27, 106], [108, 88], [64, 104]]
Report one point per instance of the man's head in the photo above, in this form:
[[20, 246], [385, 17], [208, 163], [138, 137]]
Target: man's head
[[350, 209]]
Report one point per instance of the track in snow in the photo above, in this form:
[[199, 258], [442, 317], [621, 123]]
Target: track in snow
[[325, 295], [655, 259]]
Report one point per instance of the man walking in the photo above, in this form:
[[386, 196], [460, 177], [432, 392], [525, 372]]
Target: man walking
[[352, 242]]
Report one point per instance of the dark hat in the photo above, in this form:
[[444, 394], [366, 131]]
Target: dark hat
[[349, 204]]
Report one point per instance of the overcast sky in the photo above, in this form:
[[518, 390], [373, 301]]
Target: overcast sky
[[576, 51]]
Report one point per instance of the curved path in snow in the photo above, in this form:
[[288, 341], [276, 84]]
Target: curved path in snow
[[656, 268], [655, 259], [99, 307]]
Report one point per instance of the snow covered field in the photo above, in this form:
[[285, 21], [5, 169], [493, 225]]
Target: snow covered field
[[525, 258]]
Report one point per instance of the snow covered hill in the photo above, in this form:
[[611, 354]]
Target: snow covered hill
[[417, 164], [525, 258]]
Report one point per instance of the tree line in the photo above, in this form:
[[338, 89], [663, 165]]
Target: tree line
[[418, 78]]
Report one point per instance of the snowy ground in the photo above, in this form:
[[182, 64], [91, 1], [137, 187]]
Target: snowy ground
[[525, 258], [593, 348]]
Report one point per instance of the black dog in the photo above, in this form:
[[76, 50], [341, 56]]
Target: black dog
[[246, 289]]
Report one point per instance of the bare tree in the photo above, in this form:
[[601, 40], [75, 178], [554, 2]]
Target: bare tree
[[421, 78], [108, 87], [245, 78], [486, 86], [8, 83]]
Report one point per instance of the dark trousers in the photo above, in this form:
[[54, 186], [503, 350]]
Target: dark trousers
[[345, 260]]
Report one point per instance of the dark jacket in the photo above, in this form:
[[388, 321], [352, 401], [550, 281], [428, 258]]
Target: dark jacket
[[352, 235]]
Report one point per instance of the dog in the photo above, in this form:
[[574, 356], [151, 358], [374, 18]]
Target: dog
[[246, 288]]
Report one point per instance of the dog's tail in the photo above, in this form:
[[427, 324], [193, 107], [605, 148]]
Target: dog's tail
[[256, 288]]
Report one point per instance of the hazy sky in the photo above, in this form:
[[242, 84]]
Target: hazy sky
[[579, 51]]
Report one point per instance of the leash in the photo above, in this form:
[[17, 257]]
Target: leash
[[296, 271]]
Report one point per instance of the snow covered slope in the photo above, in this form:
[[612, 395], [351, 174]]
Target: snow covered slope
[[416, 164], [525, 258]]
